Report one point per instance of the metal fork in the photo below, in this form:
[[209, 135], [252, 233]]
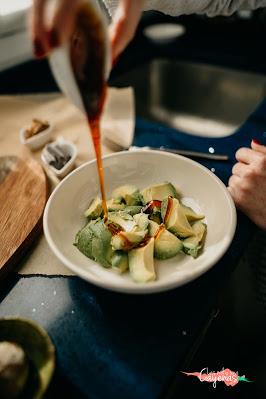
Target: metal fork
[[190, 154]]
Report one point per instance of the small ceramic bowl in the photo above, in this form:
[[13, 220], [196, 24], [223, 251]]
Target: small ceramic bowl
[[38, 140], [67, 147], [39, 350]]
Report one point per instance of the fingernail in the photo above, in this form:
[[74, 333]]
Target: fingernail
[[53, 39], [255, 141], [38, 48]]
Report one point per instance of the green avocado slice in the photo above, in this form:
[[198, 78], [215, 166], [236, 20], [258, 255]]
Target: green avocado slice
[[114, 205], [122, 220], [166, 245], [159, 192], [141, 263], [95, 209], [194, 244], [133, 209], [175, 219], [153, 228], [127, 240], [94, 241], [83, 240], [120, 261], [142, 221], [191, 215], [129, 194]]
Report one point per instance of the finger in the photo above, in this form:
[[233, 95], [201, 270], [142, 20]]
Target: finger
[[124, 26], [37, 24], [257, 146], [63, 22], [231, 191], [246, 155], [234, 181], [236, 190], [240, 169]]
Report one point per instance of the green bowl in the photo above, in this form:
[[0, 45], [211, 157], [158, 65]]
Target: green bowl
[[39, 349]]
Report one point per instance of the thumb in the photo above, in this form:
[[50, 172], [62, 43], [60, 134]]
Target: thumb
[[257, 146], [124, 25]]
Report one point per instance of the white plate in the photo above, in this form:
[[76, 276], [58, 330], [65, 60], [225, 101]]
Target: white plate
[[63, 216]]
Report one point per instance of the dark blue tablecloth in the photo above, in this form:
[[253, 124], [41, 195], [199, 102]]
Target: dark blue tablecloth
[[157, 135], [118, 346]]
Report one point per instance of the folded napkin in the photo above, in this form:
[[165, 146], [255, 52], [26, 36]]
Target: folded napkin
[[18, 111]]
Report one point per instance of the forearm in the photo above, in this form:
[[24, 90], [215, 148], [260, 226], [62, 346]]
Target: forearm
[[209, 7]]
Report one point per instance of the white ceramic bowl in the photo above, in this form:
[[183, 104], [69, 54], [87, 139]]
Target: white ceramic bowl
[[63, 216], [38, 140]]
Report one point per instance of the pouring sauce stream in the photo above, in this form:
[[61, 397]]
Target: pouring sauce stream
[[87, 54]]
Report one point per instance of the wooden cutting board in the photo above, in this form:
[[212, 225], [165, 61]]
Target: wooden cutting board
[[23, 195]]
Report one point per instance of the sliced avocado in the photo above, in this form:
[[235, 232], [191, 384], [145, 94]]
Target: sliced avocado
[[155, 216], [159, 192], [141, 263], [127, 240], [142, 220], [101, 244], [153, 228], [133, 209], [114, 205], [123, 220], [166, 245], [120, 261], [94, 241], [83, 240], [95, 209], [176, 222], [191, 215], [193, 244], [130, 194]]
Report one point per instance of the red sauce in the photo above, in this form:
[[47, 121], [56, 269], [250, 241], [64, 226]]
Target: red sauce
[[148, 208], [128, 244], [96, 138], [168, 210], [159, 232], [114, 229], [144, 242]]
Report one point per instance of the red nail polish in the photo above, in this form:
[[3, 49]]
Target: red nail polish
[[53, 39], [255, 141], [38, 48]]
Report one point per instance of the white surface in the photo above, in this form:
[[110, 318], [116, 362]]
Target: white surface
[[38, 140], [63, 216]]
